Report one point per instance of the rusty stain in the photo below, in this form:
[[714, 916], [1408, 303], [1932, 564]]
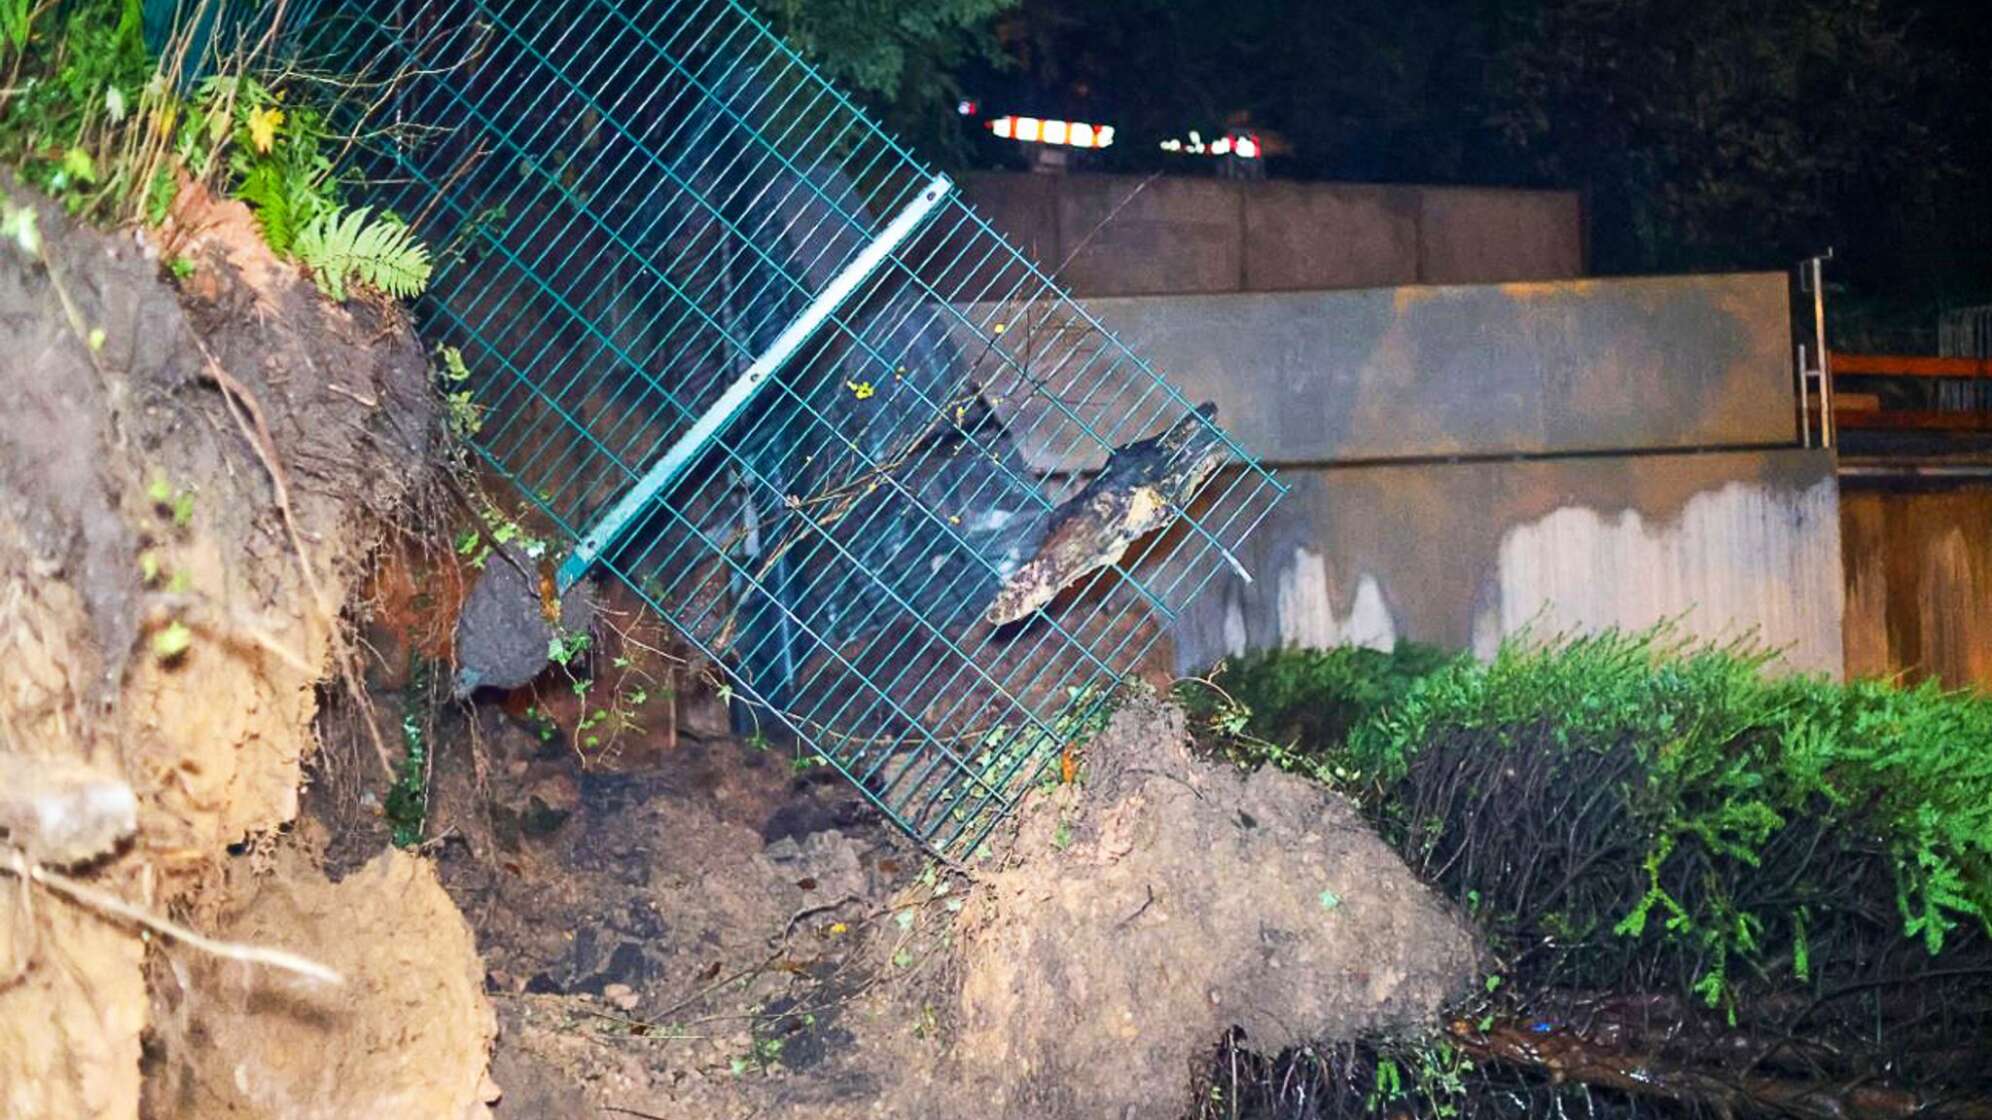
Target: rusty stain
[[1919, 584]]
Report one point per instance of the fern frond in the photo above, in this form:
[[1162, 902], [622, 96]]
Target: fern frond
[[341, 246], [387, 256], [264, 191]]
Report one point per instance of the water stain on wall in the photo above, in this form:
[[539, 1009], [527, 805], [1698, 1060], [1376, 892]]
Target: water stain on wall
[[1459, 554], [1736, 563]]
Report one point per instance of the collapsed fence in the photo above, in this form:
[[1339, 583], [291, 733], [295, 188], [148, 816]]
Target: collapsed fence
[[750, 357]]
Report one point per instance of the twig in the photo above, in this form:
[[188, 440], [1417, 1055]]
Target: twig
[[1104, 222], [109, 904]]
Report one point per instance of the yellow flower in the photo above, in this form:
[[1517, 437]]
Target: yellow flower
[[263, 125], [860, 389]]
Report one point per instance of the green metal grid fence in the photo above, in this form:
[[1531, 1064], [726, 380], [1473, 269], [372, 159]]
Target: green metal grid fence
[[764, 367]]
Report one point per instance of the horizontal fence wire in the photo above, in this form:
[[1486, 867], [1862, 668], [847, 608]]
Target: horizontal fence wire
[[631, 205]]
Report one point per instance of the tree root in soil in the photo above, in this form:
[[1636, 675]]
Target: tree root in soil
[[1568, 1056], [111, 906]]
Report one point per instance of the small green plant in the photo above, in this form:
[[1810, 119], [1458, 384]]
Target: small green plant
[[19, 225], [172, 640], [562, 649], [465, 416], [178, 504], [407, 805], [346, 246], [16, 21], [542, 723], [474, 545], [762, 1056]]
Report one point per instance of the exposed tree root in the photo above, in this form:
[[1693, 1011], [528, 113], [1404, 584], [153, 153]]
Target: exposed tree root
[[110, 905], [1566, 1055]]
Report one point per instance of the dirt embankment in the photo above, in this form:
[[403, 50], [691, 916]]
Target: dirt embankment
[[686, 967], [191, 476]]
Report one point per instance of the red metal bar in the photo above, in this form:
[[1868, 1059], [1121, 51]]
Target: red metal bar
[[1913, 421], [1901, 365]]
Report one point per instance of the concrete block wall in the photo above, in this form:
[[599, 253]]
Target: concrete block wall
[[1461, 370], [1113, 235], [1470, 461]]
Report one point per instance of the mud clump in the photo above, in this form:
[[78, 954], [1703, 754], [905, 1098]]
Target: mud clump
[[405, 1035], [1161, 904], [1171, 900]]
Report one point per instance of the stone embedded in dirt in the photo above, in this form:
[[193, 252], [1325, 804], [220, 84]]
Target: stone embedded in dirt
[[504, 632], [60, 811], [621, 996]]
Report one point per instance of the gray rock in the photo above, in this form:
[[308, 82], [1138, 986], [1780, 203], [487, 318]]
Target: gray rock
[[503, 633]]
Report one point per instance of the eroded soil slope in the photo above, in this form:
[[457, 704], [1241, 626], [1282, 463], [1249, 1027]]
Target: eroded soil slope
[[191, 475]]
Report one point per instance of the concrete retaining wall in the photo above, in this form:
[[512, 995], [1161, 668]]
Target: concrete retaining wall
[[1458, 555], [1430, 372], [1470, 461], [1176, 236]]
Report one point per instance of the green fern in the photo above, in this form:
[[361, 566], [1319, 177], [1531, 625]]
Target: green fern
[[341, 246]]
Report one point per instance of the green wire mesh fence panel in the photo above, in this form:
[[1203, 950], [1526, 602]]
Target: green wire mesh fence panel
[[772, 373]]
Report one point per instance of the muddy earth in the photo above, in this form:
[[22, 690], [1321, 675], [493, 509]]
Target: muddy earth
[[705, 931]]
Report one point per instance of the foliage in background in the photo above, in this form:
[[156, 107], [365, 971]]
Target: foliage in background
[[903, 55], [1664, 842], [1706, 134], [77, 116], [95, 121], [1718, 134]]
